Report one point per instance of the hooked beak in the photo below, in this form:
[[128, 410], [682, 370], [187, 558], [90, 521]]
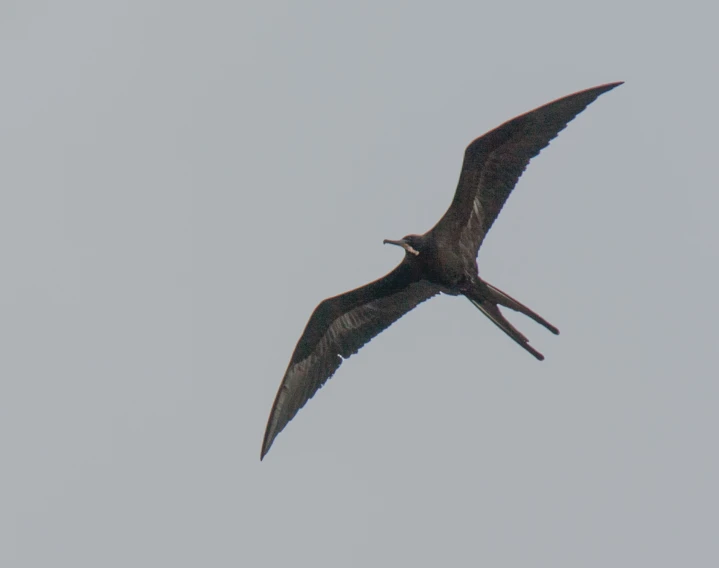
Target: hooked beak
[[401, 243]]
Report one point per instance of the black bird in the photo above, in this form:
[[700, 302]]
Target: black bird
[[444, 259]]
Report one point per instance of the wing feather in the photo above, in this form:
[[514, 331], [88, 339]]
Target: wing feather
[[494, 162], [337, 329]]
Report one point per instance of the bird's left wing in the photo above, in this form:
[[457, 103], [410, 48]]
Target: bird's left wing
[[494, 162], [337, 329]]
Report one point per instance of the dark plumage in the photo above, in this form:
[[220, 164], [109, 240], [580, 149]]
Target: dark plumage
[[444, 259]]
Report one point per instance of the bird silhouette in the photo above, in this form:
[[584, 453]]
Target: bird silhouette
[[444, 259]]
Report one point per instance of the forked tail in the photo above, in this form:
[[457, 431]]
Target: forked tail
[[487, 298]]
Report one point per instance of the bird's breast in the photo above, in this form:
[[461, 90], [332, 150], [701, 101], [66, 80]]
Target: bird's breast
[[447, 269]]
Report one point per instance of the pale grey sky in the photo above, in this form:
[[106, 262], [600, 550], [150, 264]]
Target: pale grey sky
[[182, 182]]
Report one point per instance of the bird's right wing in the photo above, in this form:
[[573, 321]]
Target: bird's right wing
[[337, 329], [494, 162]]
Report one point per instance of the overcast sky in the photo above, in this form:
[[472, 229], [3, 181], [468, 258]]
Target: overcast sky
[[182, 182]]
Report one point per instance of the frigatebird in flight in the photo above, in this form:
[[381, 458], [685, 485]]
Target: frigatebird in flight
[[444, 259]]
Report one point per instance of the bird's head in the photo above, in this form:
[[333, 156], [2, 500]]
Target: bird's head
[[413, 244]]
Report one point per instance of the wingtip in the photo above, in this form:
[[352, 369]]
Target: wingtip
[[265, 448], [599, 89], [266, 445], [610, 86]]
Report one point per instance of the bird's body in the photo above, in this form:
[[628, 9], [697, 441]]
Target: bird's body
[[444, 259]]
